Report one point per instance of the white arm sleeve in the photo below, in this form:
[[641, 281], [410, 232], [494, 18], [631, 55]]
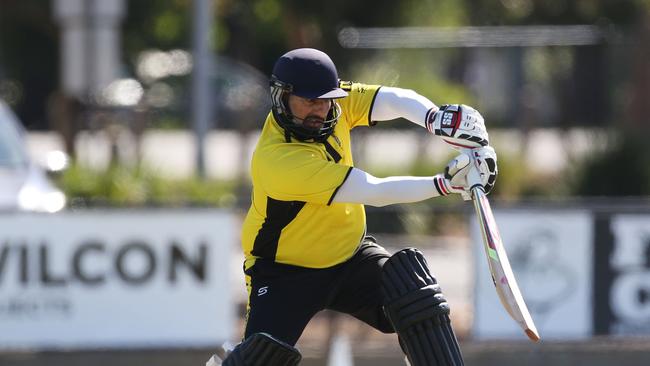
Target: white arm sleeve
[[361, 187], [392, 103]]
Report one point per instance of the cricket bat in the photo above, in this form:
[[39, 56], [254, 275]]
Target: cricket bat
[[502, 275]]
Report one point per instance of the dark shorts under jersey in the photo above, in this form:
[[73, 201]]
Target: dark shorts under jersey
[[284, 298]]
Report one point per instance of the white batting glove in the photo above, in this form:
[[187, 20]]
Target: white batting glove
[[459, 125], [485, 163], [454, 179]]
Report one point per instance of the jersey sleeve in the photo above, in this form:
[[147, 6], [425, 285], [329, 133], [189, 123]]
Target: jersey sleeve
[[358, 104], [303, 174]]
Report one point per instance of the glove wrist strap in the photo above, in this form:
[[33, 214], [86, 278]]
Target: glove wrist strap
[[429, 118], [441, 185]]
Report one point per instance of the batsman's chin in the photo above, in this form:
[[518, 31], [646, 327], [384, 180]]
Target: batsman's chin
[[313, 124]]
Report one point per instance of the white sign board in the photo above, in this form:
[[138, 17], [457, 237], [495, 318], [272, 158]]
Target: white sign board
[[630, 279], [551, 256], [116, 279]]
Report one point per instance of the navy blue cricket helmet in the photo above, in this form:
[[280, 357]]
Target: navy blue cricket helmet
[[311, 74]]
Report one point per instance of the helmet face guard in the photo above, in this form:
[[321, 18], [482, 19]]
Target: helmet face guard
[[311, 74], [279, 96]]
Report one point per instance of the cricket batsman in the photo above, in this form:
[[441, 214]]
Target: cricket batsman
[[304, 237]]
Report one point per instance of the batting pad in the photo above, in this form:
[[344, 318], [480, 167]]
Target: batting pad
[[418, 311]]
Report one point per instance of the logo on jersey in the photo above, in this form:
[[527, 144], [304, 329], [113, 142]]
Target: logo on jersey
[[262, 290], [345, 85]]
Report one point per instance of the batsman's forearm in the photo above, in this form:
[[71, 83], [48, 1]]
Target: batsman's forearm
[[361, 187], [392, 103]]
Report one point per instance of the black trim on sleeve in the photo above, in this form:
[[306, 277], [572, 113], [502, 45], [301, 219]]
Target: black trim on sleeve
[[372, 104], [278, 215], [337, 188]]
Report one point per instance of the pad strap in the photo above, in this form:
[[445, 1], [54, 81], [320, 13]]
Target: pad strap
[[416, 307]]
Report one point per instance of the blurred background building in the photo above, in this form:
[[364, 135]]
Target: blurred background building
[[140, 107]]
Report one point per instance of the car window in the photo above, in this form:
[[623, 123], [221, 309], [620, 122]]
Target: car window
[[12, 150]]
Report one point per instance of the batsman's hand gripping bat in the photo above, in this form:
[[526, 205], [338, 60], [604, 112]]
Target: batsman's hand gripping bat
[[502, 275]]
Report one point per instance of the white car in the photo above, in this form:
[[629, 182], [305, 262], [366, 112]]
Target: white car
[[24, 185]]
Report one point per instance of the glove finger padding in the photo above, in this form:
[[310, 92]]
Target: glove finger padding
[[459, 125], [457, 169], [485, 159], [454, 179]]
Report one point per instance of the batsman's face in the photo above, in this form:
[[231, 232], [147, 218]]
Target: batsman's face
[[311, 113]]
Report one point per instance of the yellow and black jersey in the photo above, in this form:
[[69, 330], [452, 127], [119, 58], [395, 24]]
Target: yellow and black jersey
[[292, 219]]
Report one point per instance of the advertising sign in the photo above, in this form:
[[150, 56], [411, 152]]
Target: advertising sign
[[116, 279], [623, 264], [551, 257]]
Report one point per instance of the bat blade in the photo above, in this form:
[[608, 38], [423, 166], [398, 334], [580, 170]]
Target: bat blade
[[502, 275]]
